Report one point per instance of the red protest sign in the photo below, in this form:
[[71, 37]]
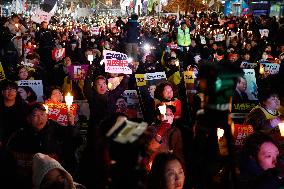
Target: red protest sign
[[58, 54], [58, 112], [240, 133]]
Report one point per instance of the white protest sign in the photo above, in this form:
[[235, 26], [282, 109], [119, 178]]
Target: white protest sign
[[202, 40], [249, 75], [133, 105], [270, 68], [40, 16], [95, 30], [116, 62], [264, 32], [82, 12], [219, 37], [248, 65], [36, 85]]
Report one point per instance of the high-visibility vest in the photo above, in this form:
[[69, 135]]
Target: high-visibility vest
[[183, 38]]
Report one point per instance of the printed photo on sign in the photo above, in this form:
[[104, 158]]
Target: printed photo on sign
[[58, 112], [264, 32], [78, 72], [36, 86], [116, 62], [133, 105]]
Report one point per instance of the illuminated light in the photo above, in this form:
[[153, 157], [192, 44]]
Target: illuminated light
[[147, 47], [220, 133]]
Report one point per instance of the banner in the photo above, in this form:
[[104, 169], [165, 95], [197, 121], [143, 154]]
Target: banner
[[270, 68], [116, 62], [247, 65], [78, 72], [240, 133], [2, 73], [58, 54], [36, 86], [40, 16], [58, 112], [133, 105]]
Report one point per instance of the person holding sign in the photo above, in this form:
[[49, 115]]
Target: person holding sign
[[265, 117], [44, 136]]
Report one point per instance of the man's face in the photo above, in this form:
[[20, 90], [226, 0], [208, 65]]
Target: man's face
[[183, 26], [242, 85], [44, 25], [9, 93], [38, 119], [101, 86]]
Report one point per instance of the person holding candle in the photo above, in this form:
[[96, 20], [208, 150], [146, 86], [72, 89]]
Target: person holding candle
[[265, 117], [44, 136], [163, 136]]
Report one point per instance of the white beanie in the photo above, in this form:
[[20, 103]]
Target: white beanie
[[41, 165]]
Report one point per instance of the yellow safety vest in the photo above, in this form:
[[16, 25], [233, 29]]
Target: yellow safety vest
[[183, 38]]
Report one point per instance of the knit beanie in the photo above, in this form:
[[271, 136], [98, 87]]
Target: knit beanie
[[41, 165]]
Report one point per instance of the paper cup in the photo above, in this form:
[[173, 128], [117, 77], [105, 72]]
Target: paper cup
[[281, 127]]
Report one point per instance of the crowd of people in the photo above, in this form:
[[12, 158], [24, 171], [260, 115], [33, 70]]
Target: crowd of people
[[180, 148]]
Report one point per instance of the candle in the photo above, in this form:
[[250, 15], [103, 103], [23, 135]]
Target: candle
[[46, 108], [90, 58], [261, 69], [163, 109], [281, 127], [68, 100], [220, 133], [17, 25]]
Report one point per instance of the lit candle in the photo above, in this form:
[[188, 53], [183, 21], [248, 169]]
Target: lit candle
[[220, 133], [46, 108], [17, 25], [261, 69], [90, 58], [68, 100], [281, 127], [163, 109]]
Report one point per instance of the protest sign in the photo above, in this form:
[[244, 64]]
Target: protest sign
[[146, 84], [78, 72], [172, 46], [270, 68], [219, 37], [264, 32], [240, 133], [95, 30], [133, 105], [58, 54], [36, 86], [251, 90], [2, 73], [58, 112], [202, 40], [40, 16], [247, 65], [116, 62]]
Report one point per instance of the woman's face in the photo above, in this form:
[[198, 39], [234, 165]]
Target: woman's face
[[168, 93], [23, 93], [23, 74], [272, 103], [56, 96], [174, 175], [267, 155]]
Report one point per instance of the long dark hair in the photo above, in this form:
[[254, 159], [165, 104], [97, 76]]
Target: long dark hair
[[31, 95], [156, 178]]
